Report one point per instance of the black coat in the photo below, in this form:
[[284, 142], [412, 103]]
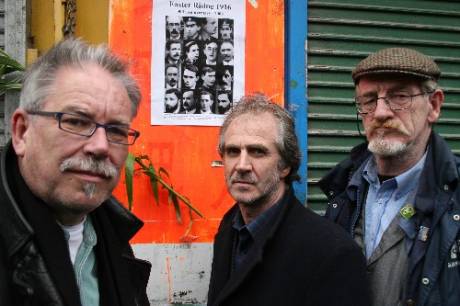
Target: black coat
[[302, 260], [35, 266]]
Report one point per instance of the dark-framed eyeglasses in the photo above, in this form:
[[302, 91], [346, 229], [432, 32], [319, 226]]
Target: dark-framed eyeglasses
[[80, 125], [396, 102]]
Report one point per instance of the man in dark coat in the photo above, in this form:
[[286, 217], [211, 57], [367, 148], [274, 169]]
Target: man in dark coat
[[398, 195], [269, 249], [63, 239]]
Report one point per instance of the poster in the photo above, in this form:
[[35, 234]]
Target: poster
[[197, 70]]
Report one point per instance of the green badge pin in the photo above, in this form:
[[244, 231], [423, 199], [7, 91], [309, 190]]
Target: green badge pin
[[407, 211]]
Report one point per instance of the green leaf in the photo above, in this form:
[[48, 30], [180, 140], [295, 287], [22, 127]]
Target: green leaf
[[154, 184], [8, 61], [173, 198], [129, 172], [162, 170]]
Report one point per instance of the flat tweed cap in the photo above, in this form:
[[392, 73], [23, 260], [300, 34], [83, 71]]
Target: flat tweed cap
[[397, 61]]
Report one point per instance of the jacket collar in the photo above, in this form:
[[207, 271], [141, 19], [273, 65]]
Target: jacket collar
[[229, 283], [336, 180], [20, 224], [15, 230], [439, 177]]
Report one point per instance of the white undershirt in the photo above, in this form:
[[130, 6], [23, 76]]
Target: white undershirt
[[75, 233]]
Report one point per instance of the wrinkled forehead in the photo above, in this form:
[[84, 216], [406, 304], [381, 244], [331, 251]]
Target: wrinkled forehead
[[387, 82]]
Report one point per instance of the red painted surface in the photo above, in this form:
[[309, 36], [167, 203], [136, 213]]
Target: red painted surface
[[186, 152]]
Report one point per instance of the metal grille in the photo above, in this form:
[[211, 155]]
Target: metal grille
[[340, 34]]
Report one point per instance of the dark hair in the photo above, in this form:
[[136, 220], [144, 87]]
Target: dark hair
[[286, 141], [210, 41], [225, 92], [189, 44], [174, 91], [73, 52], [207, 69], [227, 21], [170, 66], [191, 68], [172, 41], [207, 93]]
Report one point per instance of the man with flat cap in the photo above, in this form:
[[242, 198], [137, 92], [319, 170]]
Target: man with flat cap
[[398, 194]]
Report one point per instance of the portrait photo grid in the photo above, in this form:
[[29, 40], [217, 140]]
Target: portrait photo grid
[[199, 65]]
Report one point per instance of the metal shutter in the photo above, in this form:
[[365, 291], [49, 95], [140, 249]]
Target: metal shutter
[[340, 34]]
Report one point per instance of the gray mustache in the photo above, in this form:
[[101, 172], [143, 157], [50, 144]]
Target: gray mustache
[[242, 178], [99, 167]]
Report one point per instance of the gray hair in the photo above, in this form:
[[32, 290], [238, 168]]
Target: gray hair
[[39, 77], [429, 86], [286, 141]]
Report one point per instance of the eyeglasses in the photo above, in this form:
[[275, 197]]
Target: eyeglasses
[[396, 102], [79, 125]]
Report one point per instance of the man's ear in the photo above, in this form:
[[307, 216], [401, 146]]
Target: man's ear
[[285, 172], [436, 100], [19, 125]]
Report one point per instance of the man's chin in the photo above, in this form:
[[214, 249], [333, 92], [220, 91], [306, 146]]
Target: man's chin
[[387, 148]]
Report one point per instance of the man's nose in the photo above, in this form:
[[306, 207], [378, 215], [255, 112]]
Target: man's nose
[[97, 144], [244, 162], [382, 109]]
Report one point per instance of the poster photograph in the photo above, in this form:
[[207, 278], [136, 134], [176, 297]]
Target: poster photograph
[[197, 68]]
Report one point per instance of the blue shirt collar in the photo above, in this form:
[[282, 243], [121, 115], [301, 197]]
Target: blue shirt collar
[[405, 182], [258, 224]]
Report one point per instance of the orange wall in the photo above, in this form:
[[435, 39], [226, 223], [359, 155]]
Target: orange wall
[[188, 151]]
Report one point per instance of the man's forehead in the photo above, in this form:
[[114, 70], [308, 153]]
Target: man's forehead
[[379, 83], [174, 19], [254, 124], [89, 88]]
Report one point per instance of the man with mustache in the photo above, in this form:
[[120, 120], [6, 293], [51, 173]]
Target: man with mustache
[[269, 249], [174, 26], [171, 76], [64, 240], [398, 194], [173, 52], [189, 102]]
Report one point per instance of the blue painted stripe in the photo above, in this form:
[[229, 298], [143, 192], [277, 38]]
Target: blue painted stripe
[[295, 65]]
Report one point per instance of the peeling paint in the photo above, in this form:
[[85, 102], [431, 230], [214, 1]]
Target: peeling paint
[[293, 84], [179, 275], [253, 3]]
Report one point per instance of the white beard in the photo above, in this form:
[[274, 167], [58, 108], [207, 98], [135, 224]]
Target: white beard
[[383, 147]]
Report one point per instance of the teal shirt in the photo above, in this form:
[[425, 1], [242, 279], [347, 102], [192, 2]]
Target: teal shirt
[[85, 267]]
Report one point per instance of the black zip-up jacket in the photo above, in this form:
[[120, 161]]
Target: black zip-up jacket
[[35, 266], [434, 265]]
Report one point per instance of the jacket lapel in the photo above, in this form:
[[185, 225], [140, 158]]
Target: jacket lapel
[[392, 236], [255, 255], [119, 273]]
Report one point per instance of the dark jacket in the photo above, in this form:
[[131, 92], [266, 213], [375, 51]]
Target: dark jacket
[[35, 266], [302, 260], [434, 266]]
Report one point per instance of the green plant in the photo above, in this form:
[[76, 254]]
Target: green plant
[[10, 79], [156, 178]]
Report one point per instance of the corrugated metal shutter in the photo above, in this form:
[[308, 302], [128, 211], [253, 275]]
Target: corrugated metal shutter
[[340, 34]]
